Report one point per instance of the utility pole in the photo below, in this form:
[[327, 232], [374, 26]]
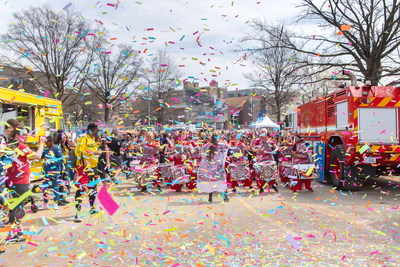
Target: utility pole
[[148, 103]]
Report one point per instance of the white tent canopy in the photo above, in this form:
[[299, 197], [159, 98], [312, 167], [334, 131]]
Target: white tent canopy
[[266, 123]]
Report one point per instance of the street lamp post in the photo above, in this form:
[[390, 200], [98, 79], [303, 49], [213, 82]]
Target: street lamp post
[[148, 103]]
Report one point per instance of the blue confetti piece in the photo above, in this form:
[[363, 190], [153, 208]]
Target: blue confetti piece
[[45, 221], [225, 239]]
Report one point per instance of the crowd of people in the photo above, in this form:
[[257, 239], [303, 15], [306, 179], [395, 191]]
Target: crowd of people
[[204, 161]]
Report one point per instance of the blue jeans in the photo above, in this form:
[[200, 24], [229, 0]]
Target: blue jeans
[[51, 181]]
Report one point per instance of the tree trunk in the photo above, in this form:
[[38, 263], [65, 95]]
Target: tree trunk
[[106, 113], [373, 72], [278, 112]]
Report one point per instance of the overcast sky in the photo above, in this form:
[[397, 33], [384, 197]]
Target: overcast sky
[[219, 23]]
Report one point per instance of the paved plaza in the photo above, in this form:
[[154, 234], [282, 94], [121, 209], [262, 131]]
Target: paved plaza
[[323, 228]]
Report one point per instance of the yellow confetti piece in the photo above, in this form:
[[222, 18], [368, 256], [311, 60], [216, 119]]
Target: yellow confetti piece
[[70, 37], [379, 232], [20, 199], [19, 152], [211, 249], [80, 256], [309, 171]]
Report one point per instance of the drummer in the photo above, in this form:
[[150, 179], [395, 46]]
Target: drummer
[[286, 155], [264, 146], [149, 150], [182, 151], [166, 158], [238, 159], [194, 160], [300, 156]]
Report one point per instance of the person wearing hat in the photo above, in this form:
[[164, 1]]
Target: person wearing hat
[[300, 156], [264, 146]]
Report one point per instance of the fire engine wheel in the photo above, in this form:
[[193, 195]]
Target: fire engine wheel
[[341, 177]]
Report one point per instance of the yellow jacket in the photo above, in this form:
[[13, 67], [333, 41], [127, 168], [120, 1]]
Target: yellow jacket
[[85, 147]]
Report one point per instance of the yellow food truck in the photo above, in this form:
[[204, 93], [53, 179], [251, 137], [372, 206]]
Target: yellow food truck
[[41, 116]]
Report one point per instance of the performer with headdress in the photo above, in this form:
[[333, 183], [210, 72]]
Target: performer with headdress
[[211, 175], [239, 170], [264, 146], [301, 159]]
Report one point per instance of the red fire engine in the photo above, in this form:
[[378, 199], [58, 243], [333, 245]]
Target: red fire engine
[[359, 126]]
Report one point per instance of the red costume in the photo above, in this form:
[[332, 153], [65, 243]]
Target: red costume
[[182, 158], [297, 184], [238, 165], [266, 146]]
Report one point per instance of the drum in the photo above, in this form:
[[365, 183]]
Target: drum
[[179, 174], [267, 170], [165, 170], [135, 165], [143, 173], [239, 170], [299, 171]]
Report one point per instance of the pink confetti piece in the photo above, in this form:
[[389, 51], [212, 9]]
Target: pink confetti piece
[[107, 201]]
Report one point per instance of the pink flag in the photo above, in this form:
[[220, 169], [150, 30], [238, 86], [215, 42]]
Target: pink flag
[[107, 201]]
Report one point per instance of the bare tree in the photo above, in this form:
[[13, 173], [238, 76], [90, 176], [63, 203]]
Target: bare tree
[[114, 77], [363, 35], [58, 44], [161, 78], [278, 71]]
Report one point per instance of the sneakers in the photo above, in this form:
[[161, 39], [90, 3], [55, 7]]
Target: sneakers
[[310, 189], [61, 203], [93, 211], [44, 206], [261, 190], [17, 238], [77, 219], [144, 190], [234, 190], [55, 206], [285, 185]]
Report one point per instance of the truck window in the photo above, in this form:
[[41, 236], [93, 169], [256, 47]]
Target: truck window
[[61, 123], [342, 117], [24, 114], [50, 126], [289, 117]]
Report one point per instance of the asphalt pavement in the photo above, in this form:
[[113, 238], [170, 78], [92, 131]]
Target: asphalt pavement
[[321, 228]]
